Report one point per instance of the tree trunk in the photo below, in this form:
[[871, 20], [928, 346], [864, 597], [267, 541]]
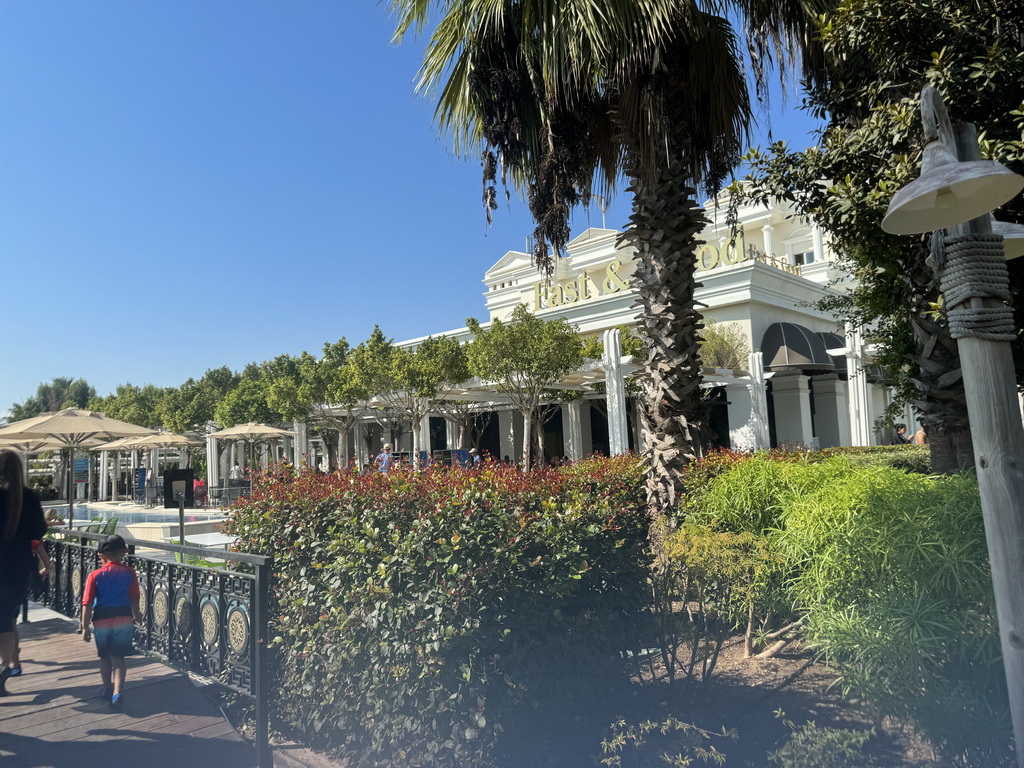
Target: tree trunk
[[527, 438], [416, 420], [538, 441], [942, 402], [664, 225]]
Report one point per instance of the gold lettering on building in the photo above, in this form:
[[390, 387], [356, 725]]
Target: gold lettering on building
[[709, 256], [612, 282], [579, 289]]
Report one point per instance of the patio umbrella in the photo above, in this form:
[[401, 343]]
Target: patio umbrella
[[164, 440], [32, 445], [251, 432], [71, 428]]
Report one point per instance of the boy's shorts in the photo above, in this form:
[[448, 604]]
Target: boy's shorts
[[114, 636]]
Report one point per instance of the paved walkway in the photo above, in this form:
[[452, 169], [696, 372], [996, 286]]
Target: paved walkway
[[52, 718]]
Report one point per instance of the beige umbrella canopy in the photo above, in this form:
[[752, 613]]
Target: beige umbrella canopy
[[32, 445], [250, 432], [163, 440], [36, 444], [71, 428]]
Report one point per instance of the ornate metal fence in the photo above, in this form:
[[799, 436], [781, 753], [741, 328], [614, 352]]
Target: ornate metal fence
[[207, 621]]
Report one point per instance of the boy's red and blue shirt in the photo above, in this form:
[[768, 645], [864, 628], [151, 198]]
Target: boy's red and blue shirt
[[111, 590]]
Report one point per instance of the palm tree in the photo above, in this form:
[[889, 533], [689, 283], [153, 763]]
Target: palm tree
[[566, 95]]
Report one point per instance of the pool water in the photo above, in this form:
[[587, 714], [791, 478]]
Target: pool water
[[83, 514]]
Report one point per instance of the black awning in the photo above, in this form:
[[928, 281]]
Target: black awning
[[791, 347], [834, 341]]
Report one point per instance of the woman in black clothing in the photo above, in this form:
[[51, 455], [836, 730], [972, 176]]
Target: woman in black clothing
[[21, 522]]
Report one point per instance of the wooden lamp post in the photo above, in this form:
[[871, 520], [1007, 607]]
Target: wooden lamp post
[[953, 196]]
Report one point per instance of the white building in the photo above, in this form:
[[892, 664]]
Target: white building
[[765, 281]]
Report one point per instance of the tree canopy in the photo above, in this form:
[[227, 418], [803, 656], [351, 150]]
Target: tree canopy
[[876, 57], [523, 358]]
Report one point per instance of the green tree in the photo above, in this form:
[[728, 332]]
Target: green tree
[[136, 405], [325, 393], [723, 345], [408, 381], [252, 398], [192, 405], [56, 395], [523, 358], [247, 401], [876, 58], [448, 363], [568, 95]]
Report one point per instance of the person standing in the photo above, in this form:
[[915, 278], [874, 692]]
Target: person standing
[[21, 522], [384, 460], [474, 458], [235, 475], [111, 604]]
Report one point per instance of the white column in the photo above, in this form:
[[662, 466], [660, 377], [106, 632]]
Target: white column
[[226, 462], [424, 435], [615, 393], [344, 454], [769, 246], [451, 435], [857, 387], [758, 389], [831, 412], [819, 243], [742, 426], [301, 443], [792, 410], [510, 434], [104, 470], [572, 414], [212, 463]]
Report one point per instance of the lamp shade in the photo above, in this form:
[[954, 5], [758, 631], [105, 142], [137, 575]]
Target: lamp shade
[[1013, 238], [949, 192]]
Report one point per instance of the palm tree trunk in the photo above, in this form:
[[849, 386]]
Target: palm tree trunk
[[942, 401], [664, 225]]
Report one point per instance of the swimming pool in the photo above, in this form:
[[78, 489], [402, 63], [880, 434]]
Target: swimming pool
[[83, 514]]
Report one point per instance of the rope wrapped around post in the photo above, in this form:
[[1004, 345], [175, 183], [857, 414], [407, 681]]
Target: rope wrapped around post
[[973, 267]]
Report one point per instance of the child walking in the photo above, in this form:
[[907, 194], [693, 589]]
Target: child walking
[[111, 604]]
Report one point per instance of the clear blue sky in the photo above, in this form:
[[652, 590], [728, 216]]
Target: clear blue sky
[[185, 185]]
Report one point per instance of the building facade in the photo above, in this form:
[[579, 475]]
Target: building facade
[[807, 381]]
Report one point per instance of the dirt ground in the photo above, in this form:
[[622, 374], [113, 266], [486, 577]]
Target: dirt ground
[[742, 694]]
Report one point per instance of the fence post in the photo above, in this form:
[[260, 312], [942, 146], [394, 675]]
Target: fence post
[[264, 758]]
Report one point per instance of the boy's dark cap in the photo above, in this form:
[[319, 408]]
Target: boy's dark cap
[[113, 543]]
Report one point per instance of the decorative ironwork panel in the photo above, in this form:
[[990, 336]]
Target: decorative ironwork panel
[[195, 619]]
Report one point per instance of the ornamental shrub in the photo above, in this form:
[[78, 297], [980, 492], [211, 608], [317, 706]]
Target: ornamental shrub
[[435, 618], [890, 570], [811, 746], [893, 573]]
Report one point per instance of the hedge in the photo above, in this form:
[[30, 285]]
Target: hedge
[[425, 619]]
